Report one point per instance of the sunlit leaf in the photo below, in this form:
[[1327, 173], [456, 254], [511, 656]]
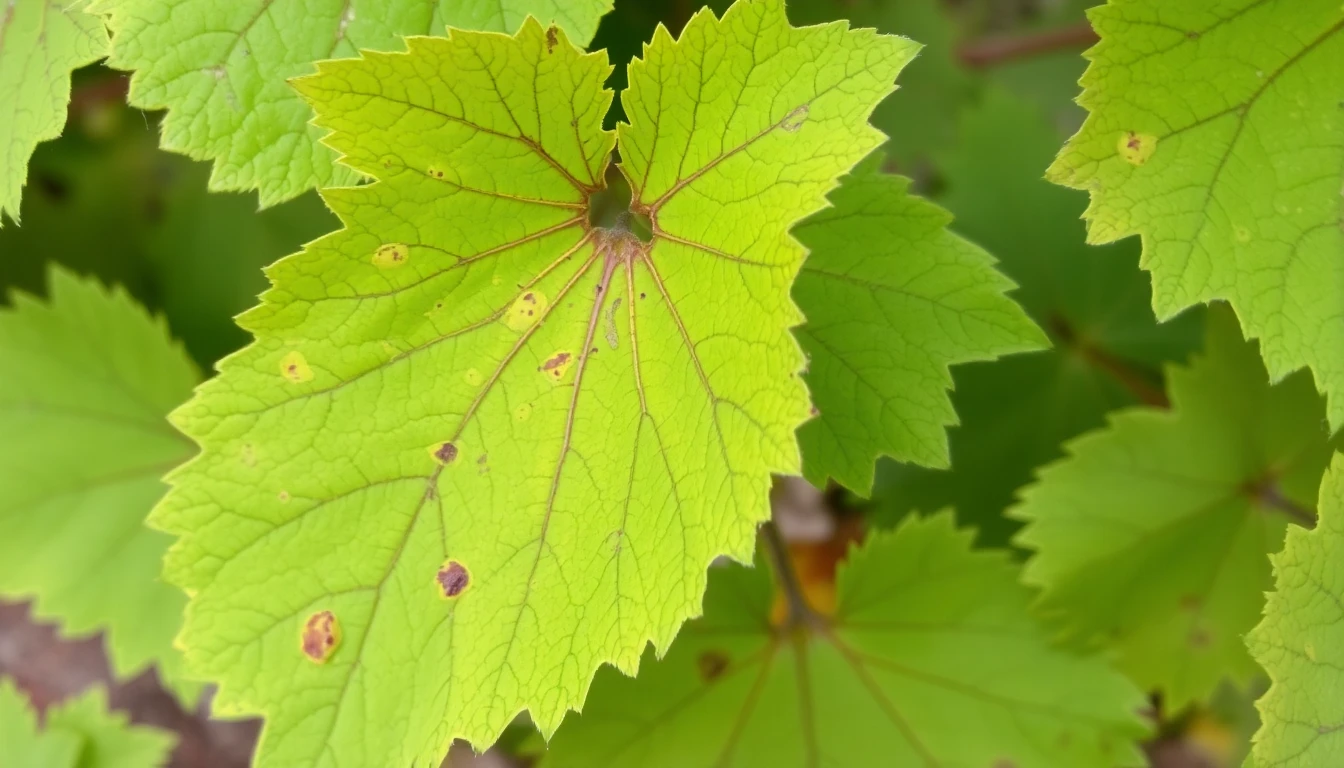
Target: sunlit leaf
[[1216, 133], [41, 42], [222, 71], [1300, 642], [480, 447]]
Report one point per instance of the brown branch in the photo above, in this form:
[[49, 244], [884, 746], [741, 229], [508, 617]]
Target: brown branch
[[1133, 380], [988, 51], [1268, 495], [800, 613]]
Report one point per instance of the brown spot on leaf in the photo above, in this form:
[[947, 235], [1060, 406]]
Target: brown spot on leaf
[[712, 665], [445, 453], [526, 310], [283, 496], [552, 39], [1004, 762], [1190, 603], [1200, 638], [1136, 148], [453, 579], [391, 255], [557, 365], [321, 636]]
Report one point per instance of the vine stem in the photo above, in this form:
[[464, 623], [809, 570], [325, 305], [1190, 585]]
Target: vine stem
[[1269, 496], [989, 51], [800, 613]]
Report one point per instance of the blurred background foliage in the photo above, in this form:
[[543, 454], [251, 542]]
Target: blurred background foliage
[[977, 118]]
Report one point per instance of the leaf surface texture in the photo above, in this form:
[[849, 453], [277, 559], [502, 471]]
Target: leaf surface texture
[[41, 43], [496, 447], [89, 379], [221, 69], [1153, 535], [930, 659], [1234, 186]]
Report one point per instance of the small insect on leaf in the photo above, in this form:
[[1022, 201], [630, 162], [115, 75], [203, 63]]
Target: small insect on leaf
[[321, 636]]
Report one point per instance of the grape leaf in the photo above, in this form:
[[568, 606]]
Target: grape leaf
[[930, 658], [80, 733], [891, 299], [221, 71], [1300, 643], [1153, 534], [1235, 188], [479, 447], [41, 42], [1094, 303], [89, 379]]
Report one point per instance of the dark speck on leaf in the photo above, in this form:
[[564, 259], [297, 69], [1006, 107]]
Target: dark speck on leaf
[[446, 453], [552, 39], [712, 664]]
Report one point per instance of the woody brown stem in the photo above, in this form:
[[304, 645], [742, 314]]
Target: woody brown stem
[[990, 51]]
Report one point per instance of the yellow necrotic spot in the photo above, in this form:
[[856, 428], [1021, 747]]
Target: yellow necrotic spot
[[1136, 148], [472, 377], [526, 310], [391, 256], [523, 412], [294, 367], [556, 366]]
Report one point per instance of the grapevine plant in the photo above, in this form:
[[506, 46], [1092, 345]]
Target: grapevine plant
[[497, 462]]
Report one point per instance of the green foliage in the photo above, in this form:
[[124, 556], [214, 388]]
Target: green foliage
[[89, 380], [1154, 534], [913, 669], [1235, 186], [483, 444], [934, 87], [80, 733], [1093, 302], [41, 42], [226, 83], [1300, 642], [107, 202], [891, 299]]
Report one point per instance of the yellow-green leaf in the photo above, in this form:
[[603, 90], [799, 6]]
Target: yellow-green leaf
[[479, 446]]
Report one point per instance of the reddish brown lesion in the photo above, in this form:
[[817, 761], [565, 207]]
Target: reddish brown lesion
[[557, 361], [321, 636], [446, 453], [453, 579]]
